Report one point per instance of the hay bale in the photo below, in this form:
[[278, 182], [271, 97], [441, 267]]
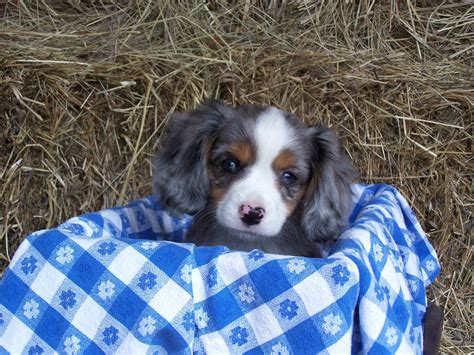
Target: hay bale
[[88, 86]]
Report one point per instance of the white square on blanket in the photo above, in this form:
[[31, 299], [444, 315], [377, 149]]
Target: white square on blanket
[[131, 345], [372, 318], [199, 288], [127, 264], [214, 343], [83, 321], [16, 337], [391, 276], [169, 300], [48, 281], [315, 293], [264, 324], [231, 267]]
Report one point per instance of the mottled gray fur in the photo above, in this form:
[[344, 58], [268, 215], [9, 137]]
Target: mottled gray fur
[[327, 202], [179, 174]]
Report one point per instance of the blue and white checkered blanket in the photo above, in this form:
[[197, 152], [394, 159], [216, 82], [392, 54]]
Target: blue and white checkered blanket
[[113, 281]]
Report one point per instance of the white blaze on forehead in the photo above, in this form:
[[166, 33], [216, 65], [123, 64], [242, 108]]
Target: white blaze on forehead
[[272, 134]]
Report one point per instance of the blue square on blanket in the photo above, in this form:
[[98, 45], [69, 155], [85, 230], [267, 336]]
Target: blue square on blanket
[[13, 291], [401, 310], [169, 258], [204, 255], [270, 280], [225, 306], [303, 337], [171, 340], [398, 235], [86, 271], [51, 326], [92, 348], [378, 349], [127, 307]]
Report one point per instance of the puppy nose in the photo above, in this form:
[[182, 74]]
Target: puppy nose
[[250, 214]]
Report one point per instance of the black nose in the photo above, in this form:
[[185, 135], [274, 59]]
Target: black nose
[[254, 216]]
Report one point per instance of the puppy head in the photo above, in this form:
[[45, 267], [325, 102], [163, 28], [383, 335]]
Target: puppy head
[[254, 165], [258, 170]]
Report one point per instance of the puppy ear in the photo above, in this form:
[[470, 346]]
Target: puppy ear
[[179, 169], [327, 200]]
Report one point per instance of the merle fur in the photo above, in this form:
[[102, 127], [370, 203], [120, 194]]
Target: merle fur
[[181, 183]]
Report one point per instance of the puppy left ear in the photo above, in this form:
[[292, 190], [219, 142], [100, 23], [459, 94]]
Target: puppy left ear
[[327, 202], [179, 169]]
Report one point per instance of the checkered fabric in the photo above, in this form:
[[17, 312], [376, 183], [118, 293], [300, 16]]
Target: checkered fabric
[[120, 281]]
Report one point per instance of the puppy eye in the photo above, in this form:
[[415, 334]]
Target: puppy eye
[[230, 165], [288, 178]]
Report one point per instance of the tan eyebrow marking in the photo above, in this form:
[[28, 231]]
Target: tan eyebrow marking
[[243, 151], [284, 160]]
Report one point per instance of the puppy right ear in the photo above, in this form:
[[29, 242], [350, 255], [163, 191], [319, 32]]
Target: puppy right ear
[[179, 169]]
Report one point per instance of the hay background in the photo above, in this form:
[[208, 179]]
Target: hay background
[[86, 88]]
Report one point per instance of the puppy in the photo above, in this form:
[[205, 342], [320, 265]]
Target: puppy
[[255, 178]]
